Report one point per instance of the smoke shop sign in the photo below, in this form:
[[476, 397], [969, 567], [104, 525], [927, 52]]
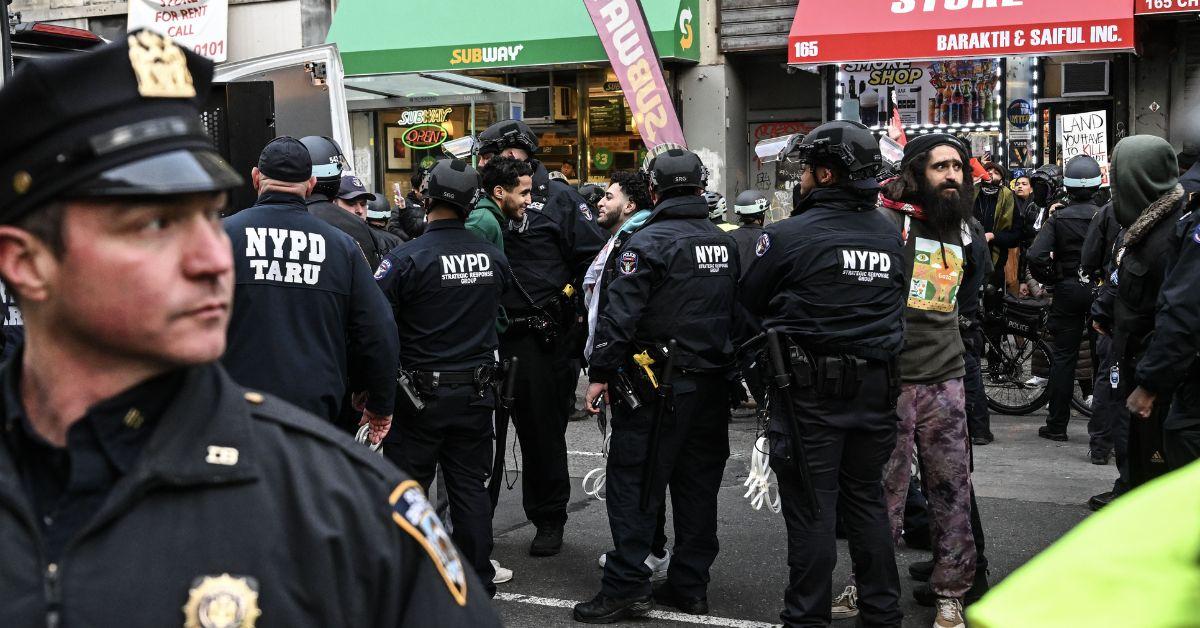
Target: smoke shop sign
[[939, 29]]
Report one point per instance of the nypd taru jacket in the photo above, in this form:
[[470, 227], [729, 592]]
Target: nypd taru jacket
[[831, 276], [674, 278], [305, 297], [551, 247], [239, 483]]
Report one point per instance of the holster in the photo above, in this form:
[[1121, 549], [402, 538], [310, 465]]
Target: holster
[[625, 392], [839, 376], [408, 400]]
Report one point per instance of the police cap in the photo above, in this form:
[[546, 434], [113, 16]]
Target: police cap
[[120, 120], [285, 159]]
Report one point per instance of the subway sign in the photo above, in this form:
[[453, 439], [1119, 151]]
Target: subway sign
[[424, 136]]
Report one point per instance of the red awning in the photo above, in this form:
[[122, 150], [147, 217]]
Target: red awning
[[1154, 7], [842, 31]]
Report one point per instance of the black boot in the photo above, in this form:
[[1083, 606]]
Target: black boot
[[606, 610], [547, 541], [1100, 501], [1047, 433], [666, 595]]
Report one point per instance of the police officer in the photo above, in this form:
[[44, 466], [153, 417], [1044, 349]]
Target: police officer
[[377, 216], [676, 268], [549, 248], [140, 484], [305, 297], [717, 206], [1171, 362], [354, 199], [751, 208], [1054, 259], [328, 168], [830, 281], [1148, 202], [445, 290]]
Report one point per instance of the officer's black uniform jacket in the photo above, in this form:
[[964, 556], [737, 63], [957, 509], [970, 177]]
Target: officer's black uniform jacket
[[445, 288], [832, 277], [1176, 341], [674, 278], [297, 331], [243, 484], [1063, 235], [385, 240], [1141, 265], [320, 206], [1098, 245], [979, 268], [552, 247], [746, 237]]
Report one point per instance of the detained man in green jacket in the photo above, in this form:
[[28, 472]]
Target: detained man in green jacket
[[507, 187]]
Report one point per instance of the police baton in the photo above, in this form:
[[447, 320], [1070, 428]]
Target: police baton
[[665, 388], [508, 393], [783, 381]]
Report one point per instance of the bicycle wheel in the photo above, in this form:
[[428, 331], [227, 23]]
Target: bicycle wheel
[[1008, 378]]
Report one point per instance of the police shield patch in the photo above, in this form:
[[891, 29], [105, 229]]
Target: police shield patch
[[412, 512], [586, 211], [763, 245], [382, 271], [223, 601], [629, 262]]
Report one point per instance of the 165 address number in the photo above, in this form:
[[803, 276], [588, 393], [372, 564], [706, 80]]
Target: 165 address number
[[805, 49]]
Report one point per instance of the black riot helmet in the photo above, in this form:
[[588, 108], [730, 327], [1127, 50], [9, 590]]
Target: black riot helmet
[[592, 193], [1047, 185], [328, 163], [1082, 178], [506, 134], [848, 147], [677, 168], [453, 182]]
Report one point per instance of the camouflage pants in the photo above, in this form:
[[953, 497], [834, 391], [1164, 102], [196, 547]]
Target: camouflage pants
[[934, 416]]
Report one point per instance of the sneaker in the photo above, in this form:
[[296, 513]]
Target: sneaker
[[985, 439], [845, 605], [1049, 434], [658, 566], [949, 614], [1036, 381], [503, 574]]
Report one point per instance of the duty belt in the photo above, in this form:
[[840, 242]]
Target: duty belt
[[480, 376]]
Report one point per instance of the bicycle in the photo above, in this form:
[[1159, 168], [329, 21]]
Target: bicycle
[[1011, 338]]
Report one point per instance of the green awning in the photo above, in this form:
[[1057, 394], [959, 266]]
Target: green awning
[[392, 36]]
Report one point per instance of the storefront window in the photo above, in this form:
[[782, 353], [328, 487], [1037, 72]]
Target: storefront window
[[412, 137], [613, 140]]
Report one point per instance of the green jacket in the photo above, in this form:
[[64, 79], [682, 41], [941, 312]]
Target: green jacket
[[1006, 231], [485, 222]]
